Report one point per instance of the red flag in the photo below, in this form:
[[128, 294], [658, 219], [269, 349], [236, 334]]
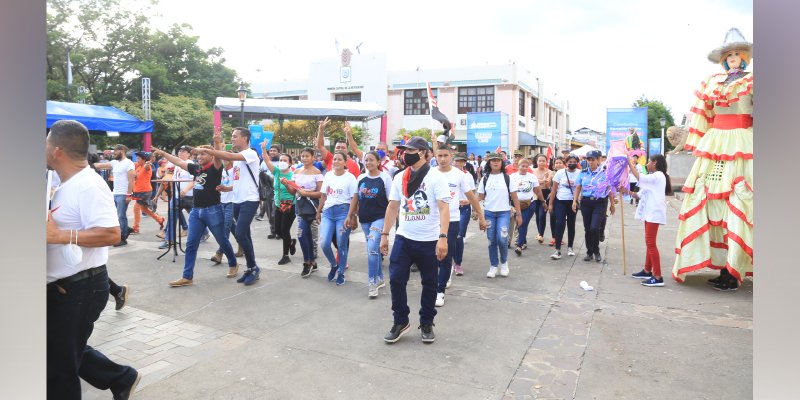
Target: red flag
[[549, 154], [434, 110]]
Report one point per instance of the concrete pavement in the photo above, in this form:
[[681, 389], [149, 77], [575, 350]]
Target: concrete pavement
[[533, 335]]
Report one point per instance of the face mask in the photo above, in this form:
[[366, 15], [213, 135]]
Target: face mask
[[282, 165], [572, 166], [410, 159], [72, 253], [381, 153]]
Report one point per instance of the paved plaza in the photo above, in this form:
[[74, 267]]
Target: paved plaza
[[533, 335]]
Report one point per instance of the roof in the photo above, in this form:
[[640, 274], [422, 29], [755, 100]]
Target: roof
[[302, 109], [97, 118]]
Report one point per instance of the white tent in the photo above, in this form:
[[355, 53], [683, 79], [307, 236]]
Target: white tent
[[302, 109], [581, 152]]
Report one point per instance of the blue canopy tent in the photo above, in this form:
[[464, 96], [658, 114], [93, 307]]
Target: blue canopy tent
[[100, 118]]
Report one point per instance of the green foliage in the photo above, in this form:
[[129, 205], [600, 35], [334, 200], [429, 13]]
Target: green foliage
[[304, 132], [177, 120], [655, 110]]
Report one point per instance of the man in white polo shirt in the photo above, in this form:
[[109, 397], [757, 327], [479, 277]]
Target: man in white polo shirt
[[81, 224]]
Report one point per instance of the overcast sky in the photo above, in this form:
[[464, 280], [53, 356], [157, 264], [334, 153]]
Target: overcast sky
[[594, 54]]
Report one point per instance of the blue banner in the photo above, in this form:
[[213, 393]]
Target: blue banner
[[655, 147], [618, 124], [258, 135], [486, 131]]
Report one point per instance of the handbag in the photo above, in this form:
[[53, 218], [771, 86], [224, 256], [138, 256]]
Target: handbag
[[306, 207], [524, 204]]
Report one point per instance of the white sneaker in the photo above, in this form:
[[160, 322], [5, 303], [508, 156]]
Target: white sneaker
[[373, 290], [492, 272], [570, 252], [439, 299], [504, 269], [556, 255]]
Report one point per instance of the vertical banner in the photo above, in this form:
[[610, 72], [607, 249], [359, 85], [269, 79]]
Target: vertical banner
[[484, 132], [258, 135], [655, 147], [619, 122], [504, 133]]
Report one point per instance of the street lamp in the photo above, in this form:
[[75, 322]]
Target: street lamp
[[242, 91], [663, 121]]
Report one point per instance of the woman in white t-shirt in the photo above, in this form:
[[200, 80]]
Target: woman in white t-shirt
[[561, 196], [495, 193], [652, 209], [527, 187], [338, 188]]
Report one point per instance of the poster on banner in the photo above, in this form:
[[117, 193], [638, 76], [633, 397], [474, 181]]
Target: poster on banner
[[655, 147], [622, 123], [486, 131], [258, 135]]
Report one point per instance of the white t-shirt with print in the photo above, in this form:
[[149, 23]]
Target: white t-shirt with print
[[120, 171], [419, 214], [82, 202], [566, 183], [496, 192], [182, 174], [338, 189], [525, 185], [227, 180], [458, 183], [244, 186], [652, 199]]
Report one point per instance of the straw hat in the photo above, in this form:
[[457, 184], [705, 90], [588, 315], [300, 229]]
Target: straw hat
[[734, 40]]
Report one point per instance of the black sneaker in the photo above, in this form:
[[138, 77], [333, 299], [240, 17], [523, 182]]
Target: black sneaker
[[121, 243], [314, 267], [259, 218], [271, 236], [588, 257], [642, 275], [727, 284], [292, 247], [306, 270], [121, 298], [284, 260], [722, 274], [597, 257], [427, 333], [602, 236], [396, 332], [126, 394]]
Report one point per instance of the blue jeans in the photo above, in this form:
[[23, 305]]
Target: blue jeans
[[446, 265], [333, 220], [372, 232], [70, 321], [175, 207], [229, 224], [527, 215], [466, 214], [404, 253], [122, 214], [244, 213], [306, 238], [497, 233], [199, 219]]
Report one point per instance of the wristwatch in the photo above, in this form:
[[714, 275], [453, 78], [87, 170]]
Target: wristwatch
[[442, 235]]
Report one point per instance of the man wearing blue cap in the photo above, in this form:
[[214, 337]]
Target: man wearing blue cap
[[591, 193]]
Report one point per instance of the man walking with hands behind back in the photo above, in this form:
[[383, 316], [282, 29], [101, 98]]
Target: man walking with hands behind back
[[81, 224], [421, 196]]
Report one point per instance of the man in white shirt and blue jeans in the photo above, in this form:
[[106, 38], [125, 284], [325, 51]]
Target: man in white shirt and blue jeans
[[123, 170], [420, 195]]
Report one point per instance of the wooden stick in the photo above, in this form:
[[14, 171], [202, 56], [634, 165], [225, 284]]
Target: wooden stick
[[622, 217]]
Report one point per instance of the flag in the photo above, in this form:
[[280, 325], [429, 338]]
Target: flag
[[549, 155], [69, 70], [435, 113]]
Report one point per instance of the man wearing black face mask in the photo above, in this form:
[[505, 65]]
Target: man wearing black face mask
[[420, 195], [564, 183]]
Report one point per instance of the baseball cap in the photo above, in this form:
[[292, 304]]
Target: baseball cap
[[185, 148], [594, 154], [415, 142], [494, 156], [144, 154], [460, 156]]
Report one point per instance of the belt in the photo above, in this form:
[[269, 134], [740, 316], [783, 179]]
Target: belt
[[593, 198], [87, 273], [733, 121]]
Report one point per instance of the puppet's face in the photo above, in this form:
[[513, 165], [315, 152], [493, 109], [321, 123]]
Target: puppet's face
[[733, 59]]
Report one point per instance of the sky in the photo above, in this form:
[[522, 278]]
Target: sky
[[593, 54]]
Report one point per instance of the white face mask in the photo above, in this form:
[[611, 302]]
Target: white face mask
[[282, 165], [71, 252]]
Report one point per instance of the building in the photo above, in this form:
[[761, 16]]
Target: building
[[535, 121], [584, 136]]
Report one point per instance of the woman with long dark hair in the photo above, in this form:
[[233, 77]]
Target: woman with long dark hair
[[309, 180], [564, 183], [338, 188], [284, 203], [545, 177], [652, 209]]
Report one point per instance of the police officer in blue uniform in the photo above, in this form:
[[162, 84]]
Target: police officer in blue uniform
[[591, 193]]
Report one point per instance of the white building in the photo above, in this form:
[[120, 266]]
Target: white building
[[533, 123]]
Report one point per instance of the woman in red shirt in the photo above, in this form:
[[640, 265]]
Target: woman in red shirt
[[142, 190]]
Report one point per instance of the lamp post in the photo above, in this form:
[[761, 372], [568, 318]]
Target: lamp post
[[663, 121], [242, 91]]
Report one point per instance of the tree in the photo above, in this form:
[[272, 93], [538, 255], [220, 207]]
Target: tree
[[655, 110], [177, 120]]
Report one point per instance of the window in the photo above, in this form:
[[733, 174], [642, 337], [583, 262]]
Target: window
[[521, 103], [475, 99], [416, 101], [348, 97], [533, 107], [288, 98]]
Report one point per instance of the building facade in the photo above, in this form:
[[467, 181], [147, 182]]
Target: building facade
[[535, 121]]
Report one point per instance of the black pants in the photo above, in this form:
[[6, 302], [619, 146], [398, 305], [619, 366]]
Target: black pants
[[70, 321], [563, 218], [283, 227], [594, 219], [113, 288]]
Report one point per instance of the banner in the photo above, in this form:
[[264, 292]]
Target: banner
[[257, 135], [486, 131], [655, 147], [620, 121]]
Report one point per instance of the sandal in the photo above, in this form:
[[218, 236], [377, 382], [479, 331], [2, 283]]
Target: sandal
[[518, 250], [540, 239]]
